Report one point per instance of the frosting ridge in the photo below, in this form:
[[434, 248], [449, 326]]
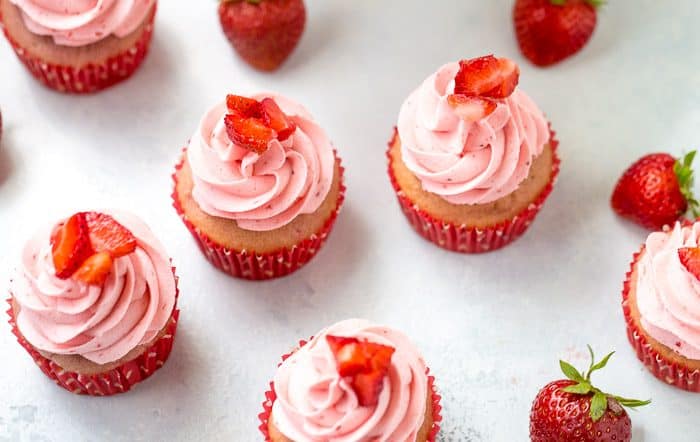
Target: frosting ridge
[[100, 323], [465, 162], [668, 295], [315, 404], [261, 192], [83, 22]]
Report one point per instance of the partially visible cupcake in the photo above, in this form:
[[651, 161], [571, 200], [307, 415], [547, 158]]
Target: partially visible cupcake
[[79, 46], [259, 186], [355, 381], [473, 159], [94, 302], [661, 303]]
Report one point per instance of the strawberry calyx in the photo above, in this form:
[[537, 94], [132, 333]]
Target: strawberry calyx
[[253, 124], [480, 83], [594, 3], [85, 246], [600, 401], [686, 180], [365, 365]]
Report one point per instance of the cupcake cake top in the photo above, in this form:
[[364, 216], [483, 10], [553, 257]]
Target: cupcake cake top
[[95, 285], [668, 289], [261, 161], [355, 381], [468, 134], [83, 22]]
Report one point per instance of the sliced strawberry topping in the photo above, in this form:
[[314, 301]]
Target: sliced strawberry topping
[[107, 235], [274, 118], [488, 77], [95, 269], [244, 106], [365, 362], [690, 258], [471, 108], [249, 133], [70, 246]]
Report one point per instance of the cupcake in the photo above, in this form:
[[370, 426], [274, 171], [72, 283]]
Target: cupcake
[[94, 302], [661, 303], [355, 381], [79, 47], [473, 158], [259, 186]]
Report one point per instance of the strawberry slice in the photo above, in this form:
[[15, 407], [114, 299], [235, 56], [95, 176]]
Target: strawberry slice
[[471, 108], [95, 269], [249, 133], [366, 363], [368, 387], [690, 258], [70, 246], [107, 235], [274, 118], [244, 106], [488, 77]]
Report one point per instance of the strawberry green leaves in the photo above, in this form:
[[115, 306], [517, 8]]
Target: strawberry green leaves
[[683, 168]]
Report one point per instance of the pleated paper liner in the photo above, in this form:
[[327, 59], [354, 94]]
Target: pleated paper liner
[[115, 381], [255, 266], [92, 77], [660, 366], [271, 396], [466, 239]]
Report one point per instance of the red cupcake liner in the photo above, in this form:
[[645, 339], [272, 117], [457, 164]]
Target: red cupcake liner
[[115, 381], [255, 266], [660, 366], [271, 396], [91, 77], [466, 239]]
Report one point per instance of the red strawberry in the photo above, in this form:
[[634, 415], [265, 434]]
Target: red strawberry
[[107, 235], [95, 269], [274, 118], [250, 133], [367, 363], [471, 108], [690, 258], [656, 190], [487, 77], [263, 32], [573, 410], [70, 246], [244, 106], [549, 31]]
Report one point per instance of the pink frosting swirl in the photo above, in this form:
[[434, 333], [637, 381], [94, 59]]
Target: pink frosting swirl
[[464, 162], [83, 22], [261, 192], [315, 404], [101, 324], [668, 295]]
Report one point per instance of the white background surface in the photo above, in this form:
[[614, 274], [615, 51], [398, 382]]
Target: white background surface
[[491, 327]]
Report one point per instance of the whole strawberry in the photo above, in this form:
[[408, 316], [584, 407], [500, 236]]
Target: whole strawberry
[[549, 31], [656, 190], [263, 32], [573, 410]]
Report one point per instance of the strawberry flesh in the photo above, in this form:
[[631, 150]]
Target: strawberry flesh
[[107, 235], [95, 269], [487, 77], [274, 118], [471, 108], [690, 258], [249, 133], [366, 363], [243, 106], [70, 246]]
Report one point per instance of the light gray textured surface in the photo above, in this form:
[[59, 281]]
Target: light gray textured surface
[[491, 327]]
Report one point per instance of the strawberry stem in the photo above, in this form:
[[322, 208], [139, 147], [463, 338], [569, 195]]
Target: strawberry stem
[[583, 386], [594, 3], [686, 181]]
